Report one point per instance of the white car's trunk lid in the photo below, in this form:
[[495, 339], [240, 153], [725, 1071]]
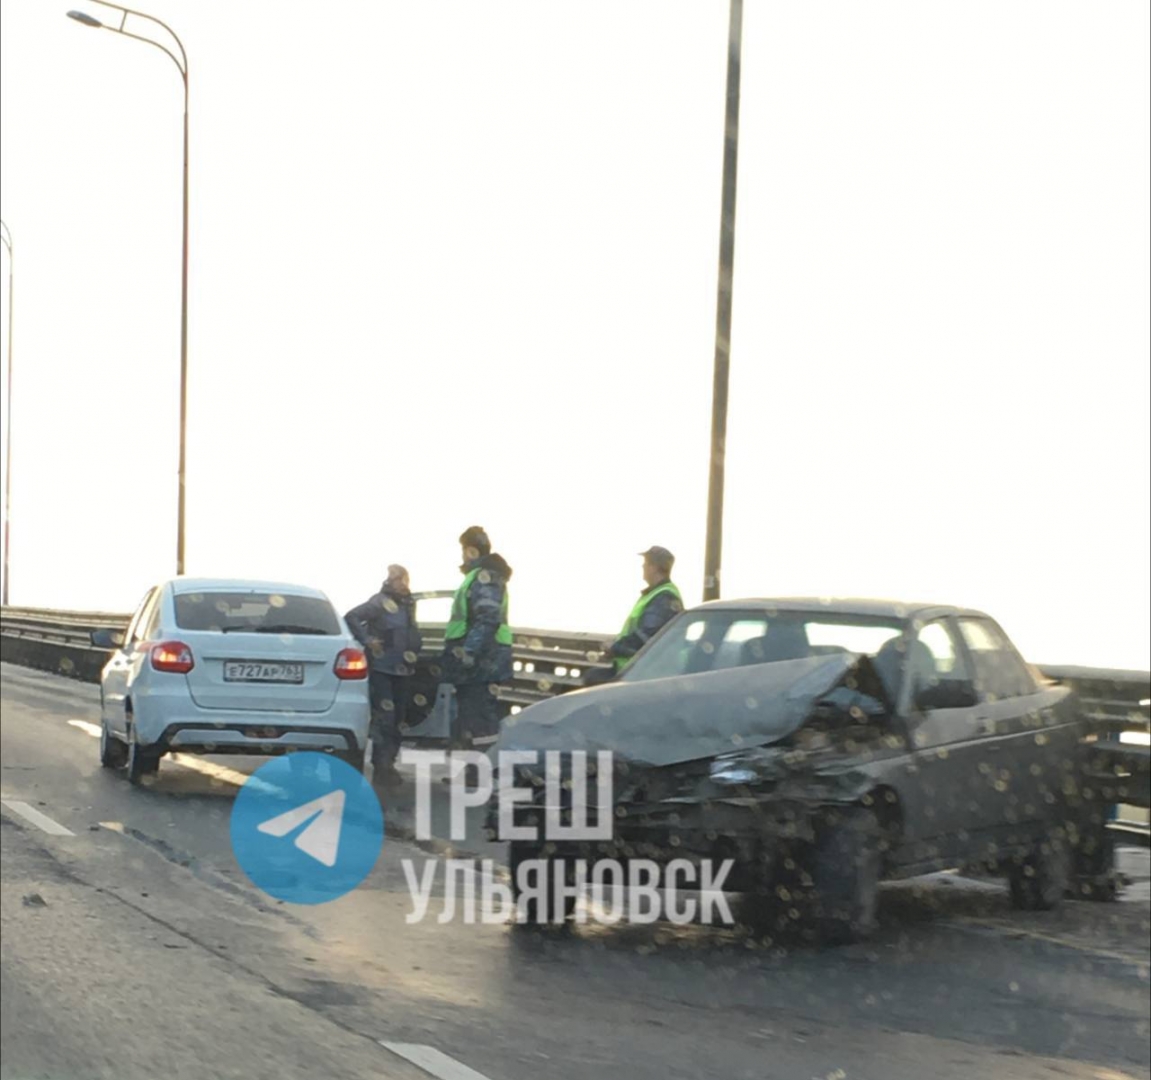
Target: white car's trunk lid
[[265, 672]]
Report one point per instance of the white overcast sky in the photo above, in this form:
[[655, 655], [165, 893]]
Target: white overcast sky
[[454, 264]]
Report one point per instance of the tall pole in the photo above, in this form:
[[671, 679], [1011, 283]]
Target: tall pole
[[181, 63], [183, 462], [6, 236], [714, 548]]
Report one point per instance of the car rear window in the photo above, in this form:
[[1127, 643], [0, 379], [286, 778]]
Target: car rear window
[[256, 613]]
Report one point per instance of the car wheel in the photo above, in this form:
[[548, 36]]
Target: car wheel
[[845, 868], [772, 904], [140, 762], [1039, 879], [113, 753], [550, 910]]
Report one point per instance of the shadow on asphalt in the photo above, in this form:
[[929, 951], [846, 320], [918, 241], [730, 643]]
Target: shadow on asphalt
[[908, 910]]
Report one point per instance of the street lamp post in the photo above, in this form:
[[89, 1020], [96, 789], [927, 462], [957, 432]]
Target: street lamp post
[[181, 63], [714, 545], [6, 237]]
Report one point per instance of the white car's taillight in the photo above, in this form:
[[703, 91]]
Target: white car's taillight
[[172, 656], [351, 664]]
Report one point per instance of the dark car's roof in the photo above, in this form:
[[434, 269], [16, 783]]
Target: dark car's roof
[[882, 609]]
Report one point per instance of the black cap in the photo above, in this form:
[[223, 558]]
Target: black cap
[[659, 556]]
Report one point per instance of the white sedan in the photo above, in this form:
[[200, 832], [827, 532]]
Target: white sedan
[[213, 666]]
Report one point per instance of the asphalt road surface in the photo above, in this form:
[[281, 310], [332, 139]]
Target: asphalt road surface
[[131, 945]]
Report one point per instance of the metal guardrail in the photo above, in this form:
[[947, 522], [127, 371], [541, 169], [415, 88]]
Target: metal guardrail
[[56, 641], [1115, 703], [1117, 707], [546, 662], [1112, 697]]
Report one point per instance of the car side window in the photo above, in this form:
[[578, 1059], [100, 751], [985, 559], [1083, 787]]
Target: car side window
[[140, 617], [949, 664], [939, 659], [999, 671], [150, 619]]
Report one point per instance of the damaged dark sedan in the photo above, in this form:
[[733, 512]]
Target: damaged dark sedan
[[823, 746]]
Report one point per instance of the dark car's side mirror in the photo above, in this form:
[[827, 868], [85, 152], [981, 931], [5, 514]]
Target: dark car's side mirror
[[947, 694], [107, 639]]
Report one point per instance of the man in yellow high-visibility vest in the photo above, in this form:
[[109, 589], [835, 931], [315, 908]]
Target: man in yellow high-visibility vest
[[478, 639], [658, 604]]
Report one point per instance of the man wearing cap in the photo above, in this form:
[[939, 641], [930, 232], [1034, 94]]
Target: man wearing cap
[[385, 625], [478, 640], [657, 605]]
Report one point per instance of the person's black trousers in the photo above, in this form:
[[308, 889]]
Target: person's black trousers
[[389, 695], [477, 713]]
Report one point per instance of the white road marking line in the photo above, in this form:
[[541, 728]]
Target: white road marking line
[[87, 728], [434, 1062], [187, 761], [41, 821], [210, 768]]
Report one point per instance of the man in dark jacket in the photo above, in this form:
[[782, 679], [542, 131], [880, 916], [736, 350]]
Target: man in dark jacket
[[478, 639], [658, 604], [386, 627]]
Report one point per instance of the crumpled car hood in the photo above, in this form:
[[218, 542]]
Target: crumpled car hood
[[687, 717]]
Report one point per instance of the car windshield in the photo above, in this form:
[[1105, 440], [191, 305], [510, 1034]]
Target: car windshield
[[702, 641], [256, 613]]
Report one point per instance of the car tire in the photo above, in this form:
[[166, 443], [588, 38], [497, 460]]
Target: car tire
[[535, 913], [845, 866], [771, 906], [140, 762], [113, 753], [1040, 879]]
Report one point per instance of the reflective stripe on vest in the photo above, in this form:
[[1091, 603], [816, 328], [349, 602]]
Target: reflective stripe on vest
[[458, 623], [633, 620]]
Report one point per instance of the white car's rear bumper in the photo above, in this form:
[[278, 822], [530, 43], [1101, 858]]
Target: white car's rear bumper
[[190, 729]]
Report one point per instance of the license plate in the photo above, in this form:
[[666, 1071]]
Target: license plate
[[261, 671]]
